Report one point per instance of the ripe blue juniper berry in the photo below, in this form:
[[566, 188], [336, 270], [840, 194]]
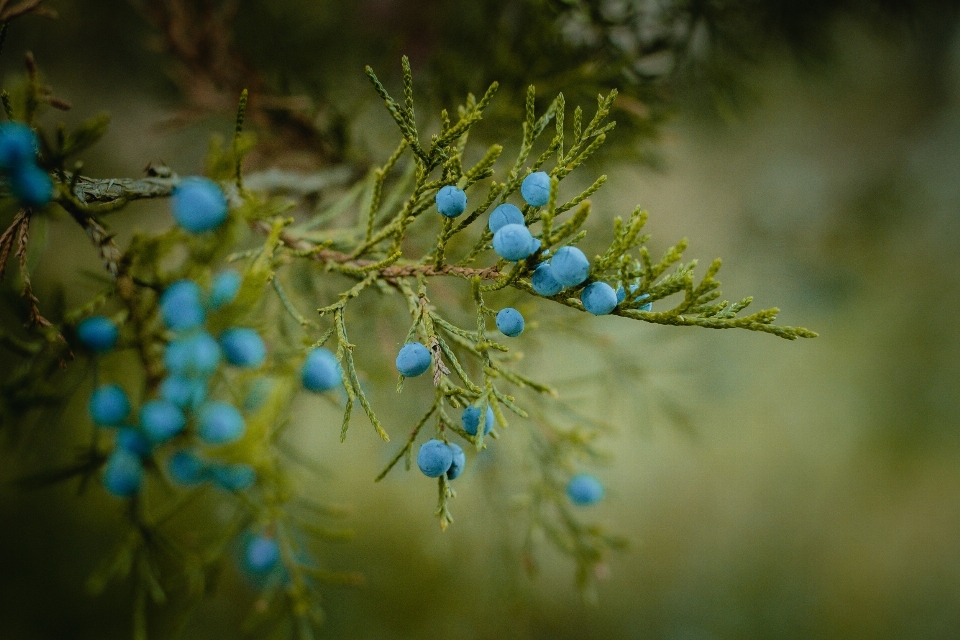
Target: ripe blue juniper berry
[[510, 322], [584, 489], [98, 333], [169, 322]]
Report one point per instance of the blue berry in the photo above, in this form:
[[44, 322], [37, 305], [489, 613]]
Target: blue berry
[[220, 423], [451, 201], [599, 298], [198, 205], [181, 306], [459, 462], [434, 458], [18, 145], [243, 347], [413, 360], [621, 294], [471, 420], [131, 440], [109, 406], [503, 215], [513, 242], [186, 468], [535, 189], [544, 282], [98, 333], [31, 185], [161, 420], [262, 554], [584, 490], [123, 473], [184, 392], [570, 266], [510, 322], [234, 477], [224, 288], [321, 371], [196, 355]]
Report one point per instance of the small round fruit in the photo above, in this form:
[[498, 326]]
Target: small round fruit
[[196, 356], [233, 477], [262, 554], [513, 242], [434, 458], [471, 420], [98, 333], [109, 406], [184, 392], [181, 306], [220, 423], [510, 322], [186, 468], [224, 288], [451, 201], [18, 145], [413, 360], [130, 439], [459, 462], [321, 371], [31, 185], [570, 266], [161, 420], [123, 473], [599, 298], [503, 215], [535, 189], [544, 282], [198, 205], [243, 347], [584, 490]]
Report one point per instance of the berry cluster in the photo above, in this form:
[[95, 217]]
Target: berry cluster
[[28, 182], [437, 458]]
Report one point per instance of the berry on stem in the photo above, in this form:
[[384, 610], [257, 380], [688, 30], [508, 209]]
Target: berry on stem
[[413, 360], [109, 405], [233, 477], [98, 333], [503, 215], [459, 461], [544, 282], [535, 189], [133, 441], [195, 355], [262, 554], [513, 242], [181, 306], [220, 423], [123, 473], [31, 185], [18, 145], [182, 391], [224, 288], [471, 420], [243, 347], [599, 298], [434, 458], [321, 371], [510, 322], [570, 267], [161, 420], [584, 489], [186, 468], [198, 205], [451, 201]]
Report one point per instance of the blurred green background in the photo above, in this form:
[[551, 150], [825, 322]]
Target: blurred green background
[[769, 489]]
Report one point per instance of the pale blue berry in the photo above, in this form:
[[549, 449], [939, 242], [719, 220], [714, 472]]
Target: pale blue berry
[[535, 189], [510, 322], [109, 406], [584, 490], [262, 554], [513, 242], [98, 333], [18, 145], [321, 371], [224, 288], [570, 266], [196, 355], [219, 423], [133, 441], [243, 347], [198, 205], [31, 185], [503, 215], [413, 360], [451, 201], [186, 468], [161, 420], [182, 391], [471, 420], [459, 462], [233, 477], [434, 458], [621, 293], [123, 473], [181, 306], [544, 282], [599, 298]]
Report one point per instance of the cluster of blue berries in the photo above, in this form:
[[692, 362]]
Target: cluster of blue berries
[[437, 458], [30, 184]]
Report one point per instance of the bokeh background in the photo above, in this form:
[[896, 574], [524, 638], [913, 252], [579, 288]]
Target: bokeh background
[[769, 489]]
